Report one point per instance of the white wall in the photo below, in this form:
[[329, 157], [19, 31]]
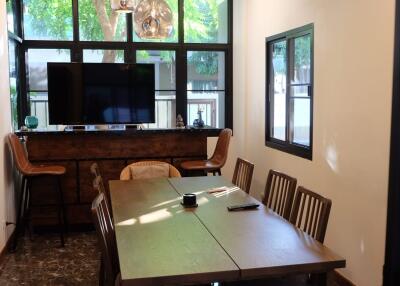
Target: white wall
[[353, 88], [6, 186]]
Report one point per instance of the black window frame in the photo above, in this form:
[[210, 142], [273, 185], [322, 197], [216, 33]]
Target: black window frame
[[285, 145], [130, 48]]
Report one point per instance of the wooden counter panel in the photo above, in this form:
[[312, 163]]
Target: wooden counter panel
[[108, 146]]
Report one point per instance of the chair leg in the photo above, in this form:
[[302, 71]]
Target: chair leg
[[63, 206], [19, 213], [27, 211], [219, 172], [101, 271], [61, 211]]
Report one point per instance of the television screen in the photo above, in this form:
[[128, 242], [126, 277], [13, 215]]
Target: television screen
[[89, 94]]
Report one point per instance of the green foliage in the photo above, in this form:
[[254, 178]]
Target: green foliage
[[50, 19], [302, 51], [205, 63], [201, 21], [53, 19], [14, 108], [89, 25]]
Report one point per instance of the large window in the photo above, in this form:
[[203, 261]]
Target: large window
[[289, 100], [193, 66], [14, 47]]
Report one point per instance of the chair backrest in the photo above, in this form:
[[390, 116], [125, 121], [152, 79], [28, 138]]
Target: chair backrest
[[243, 174], [149, 169], [311, 213], [94, 168], [279, 193], [221, 149], [98, 185], [106, 235], [19, 154]]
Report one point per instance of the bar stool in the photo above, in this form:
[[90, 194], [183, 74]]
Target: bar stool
[[29, 171], [217, 160]]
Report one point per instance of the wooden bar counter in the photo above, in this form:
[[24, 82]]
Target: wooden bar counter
[[112, 150]]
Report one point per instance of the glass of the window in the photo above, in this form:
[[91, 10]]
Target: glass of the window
[[206, 21], [278, 90], [165, 85], [48, 20], [10, 16], [13, 83], [103, 56], [206, 87], [37, 60], [97, 22]]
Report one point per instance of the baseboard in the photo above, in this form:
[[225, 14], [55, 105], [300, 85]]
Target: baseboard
[[6, 248], [340, 280]]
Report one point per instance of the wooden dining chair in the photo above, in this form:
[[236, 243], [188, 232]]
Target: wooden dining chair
[[29, 172], [310, 213], [109, 267], [217, 160], [95, 170], [149, 170], [98, 185], [279, 193], [243, 174]]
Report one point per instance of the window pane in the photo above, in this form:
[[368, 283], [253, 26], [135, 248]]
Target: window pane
[[164, 65], [278, 86], [300, 67], [10, 15], [39, 108], [13, 83], [300, 91], [165, 110], [109, 26], [206, 71], [103, 56], [301, 121], [48, 20], [37, 66], [173, 4], [212, 107], [206, 21]]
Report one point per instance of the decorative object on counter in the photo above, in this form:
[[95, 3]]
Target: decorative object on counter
[[24, 128], [199, 121], [179, 122], [31, 122]]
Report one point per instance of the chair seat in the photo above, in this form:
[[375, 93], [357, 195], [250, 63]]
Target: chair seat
[[38, 170], [206, 165]]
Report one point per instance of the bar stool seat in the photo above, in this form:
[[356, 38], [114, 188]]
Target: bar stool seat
[[217, 160], [29, 171], [41, 170], [206, 165]]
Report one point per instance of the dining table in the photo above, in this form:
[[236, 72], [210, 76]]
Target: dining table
[[161, 242]]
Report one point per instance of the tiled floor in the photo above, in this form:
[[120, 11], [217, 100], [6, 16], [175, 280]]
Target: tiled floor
[[42, 262]]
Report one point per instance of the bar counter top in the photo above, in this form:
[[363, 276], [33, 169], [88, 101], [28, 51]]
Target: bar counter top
[[209, 131]]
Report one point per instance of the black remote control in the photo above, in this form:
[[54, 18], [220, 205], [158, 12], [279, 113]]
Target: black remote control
[[250, 206]]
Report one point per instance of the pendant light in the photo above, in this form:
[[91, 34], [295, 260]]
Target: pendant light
[[153, 19], [122, 6]]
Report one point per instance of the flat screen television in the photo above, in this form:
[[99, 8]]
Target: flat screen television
[[96, 94]]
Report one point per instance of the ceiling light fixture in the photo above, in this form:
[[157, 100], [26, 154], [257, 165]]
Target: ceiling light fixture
[[152, 19]]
